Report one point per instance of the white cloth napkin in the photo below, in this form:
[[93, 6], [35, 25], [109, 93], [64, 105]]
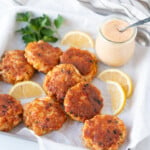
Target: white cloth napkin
[[135, 9], [136, 113]]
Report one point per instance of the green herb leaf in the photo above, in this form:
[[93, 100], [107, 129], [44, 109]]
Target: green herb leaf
[[39, 22], [35, 23], [29, 38], [24, 17], [47, 20], [25, 30], [50, 39], [39, 28], [58, 21], [47, 32]]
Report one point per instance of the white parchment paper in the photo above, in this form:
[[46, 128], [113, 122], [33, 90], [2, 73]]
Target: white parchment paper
[[136, 113]]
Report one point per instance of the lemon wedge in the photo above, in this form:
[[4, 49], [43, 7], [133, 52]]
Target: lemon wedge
[[77, 39], [26, 89], [120, 77], [118, 98]]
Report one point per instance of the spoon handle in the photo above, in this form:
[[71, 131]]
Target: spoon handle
[[136, 24]]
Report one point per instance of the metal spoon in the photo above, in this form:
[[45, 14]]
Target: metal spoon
[[141, 22], [143, 37]]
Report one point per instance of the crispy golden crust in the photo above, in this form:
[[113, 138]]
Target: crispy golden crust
[[60, 79], [10, 112], [0, 71], [43, 115], [15, 67], [42, 56], [83, 101], [104, 132], [83, 60]]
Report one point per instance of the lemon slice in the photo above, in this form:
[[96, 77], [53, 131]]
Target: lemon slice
[[120, 77], [118, 98], [77, 39], [26, 89]]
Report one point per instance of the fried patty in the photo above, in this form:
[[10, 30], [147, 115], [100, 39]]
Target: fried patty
[[42, 56], [83, 101], [15, 68], [83, 60], [43, 115], [104, 132], [1, 71], [60, 79], [10, 112]]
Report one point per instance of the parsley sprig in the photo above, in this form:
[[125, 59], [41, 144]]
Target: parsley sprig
[[39, 28]]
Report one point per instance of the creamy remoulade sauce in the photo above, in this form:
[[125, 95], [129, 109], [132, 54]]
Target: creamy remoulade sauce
[[110, 31], [113, 47]]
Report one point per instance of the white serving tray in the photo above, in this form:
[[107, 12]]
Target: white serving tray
[[71, 129]]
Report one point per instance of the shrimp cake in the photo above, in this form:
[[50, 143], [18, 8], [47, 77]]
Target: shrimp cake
[[43, 115], [83, 60], [60, 79], [15, 68], [10, 112], [83, 101], [42, 56], [104, 132]]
